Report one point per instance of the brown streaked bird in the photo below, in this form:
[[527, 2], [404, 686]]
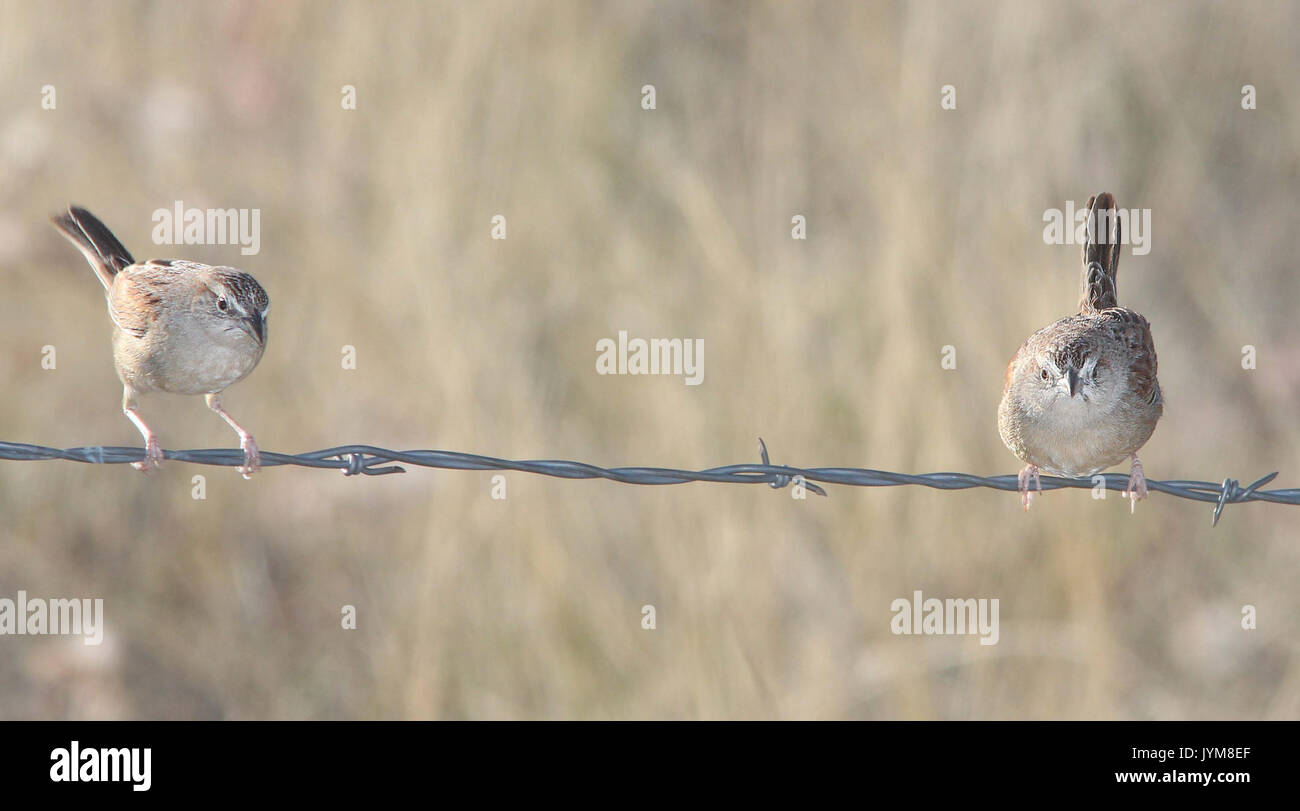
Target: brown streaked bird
[[180, 327], [1081, 394]]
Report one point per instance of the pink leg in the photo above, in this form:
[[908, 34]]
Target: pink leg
[[1137, 485], [153, 455], [252, 457], [1026, 497]]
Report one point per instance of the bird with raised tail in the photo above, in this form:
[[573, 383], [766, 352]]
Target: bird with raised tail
[[1081, 394], [180, 327]]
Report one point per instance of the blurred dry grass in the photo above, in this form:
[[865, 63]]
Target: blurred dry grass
[[924, 230]]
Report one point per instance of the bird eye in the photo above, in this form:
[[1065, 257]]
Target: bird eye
[[1045, 375], [221, 304]]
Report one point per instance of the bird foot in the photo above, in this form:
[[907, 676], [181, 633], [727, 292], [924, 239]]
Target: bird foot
[[1026, 496], [153, 456], [1137, 485], [252, 456]]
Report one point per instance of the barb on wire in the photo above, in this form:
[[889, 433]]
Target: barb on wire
[[372, 461]]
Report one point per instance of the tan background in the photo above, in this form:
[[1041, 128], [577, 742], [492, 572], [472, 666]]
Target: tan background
[[924, 229]]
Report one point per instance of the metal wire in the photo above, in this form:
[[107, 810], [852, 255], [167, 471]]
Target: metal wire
[[371, 461]]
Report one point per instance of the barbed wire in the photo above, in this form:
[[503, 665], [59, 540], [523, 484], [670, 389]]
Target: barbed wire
[[369, 460]]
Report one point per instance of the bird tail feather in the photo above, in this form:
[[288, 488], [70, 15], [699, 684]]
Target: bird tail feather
[[1101, 255], [102, 250]]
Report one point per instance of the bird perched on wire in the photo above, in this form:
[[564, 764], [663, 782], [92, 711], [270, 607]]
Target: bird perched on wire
[[1081, 394], [179, 327]]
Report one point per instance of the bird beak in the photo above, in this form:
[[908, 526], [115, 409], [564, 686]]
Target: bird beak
[[256, 327], [1073, 377]]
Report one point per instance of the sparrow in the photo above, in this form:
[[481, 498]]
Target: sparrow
[[1081, 394], [178, 326]]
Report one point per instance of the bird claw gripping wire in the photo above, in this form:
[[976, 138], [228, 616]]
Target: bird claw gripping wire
[[780, 480]]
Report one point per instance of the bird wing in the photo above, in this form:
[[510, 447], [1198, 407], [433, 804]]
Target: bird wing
[[1135, 332], [137, 292]]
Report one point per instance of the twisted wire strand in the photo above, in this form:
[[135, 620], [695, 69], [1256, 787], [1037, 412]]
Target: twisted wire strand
[[369, 460]]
